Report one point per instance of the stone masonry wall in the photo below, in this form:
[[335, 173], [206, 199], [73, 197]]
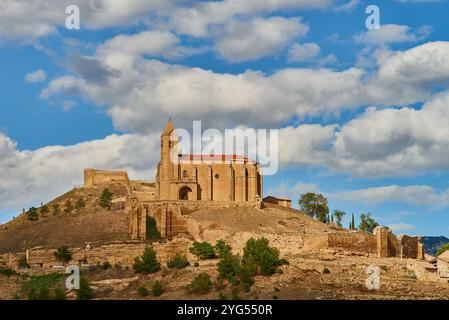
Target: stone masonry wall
[[123, 254], [353, 241]]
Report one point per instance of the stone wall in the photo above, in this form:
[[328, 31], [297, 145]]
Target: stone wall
[[122, 253], [170, 215], [353, 241], [94, 178], [383, 242]]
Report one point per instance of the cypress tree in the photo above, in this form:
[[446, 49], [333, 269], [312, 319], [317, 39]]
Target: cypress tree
[[353, 222]]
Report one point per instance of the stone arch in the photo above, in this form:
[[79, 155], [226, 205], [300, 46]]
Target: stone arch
[[185, 193]]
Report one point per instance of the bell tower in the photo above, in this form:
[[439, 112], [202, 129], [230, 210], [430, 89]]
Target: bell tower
[[167, 168]]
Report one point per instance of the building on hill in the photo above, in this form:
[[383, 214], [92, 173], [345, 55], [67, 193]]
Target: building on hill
[[205, 177], [283, 202]]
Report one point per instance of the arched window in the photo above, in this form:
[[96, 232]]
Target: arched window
[[184, 174]]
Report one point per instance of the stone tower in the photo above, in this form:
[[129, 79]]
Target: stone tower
[[167, 168]]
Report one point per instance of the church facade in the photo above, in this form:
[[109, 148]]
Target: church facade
[[205, 177]]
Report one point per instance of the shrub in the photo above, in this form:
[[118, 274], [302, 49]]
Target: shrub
[[23, 264], [32, 214], [222, 248], [326, 271], [44, 211], [235, 294], [178, 261], [56, 209], [68, 206], [442, 249], [147, 263], [222, 296], [85, 291], [157, 289], [8, 272], [201, 284], [80, 203], [203, 250], [106, 199], [229, 266], [37, 287], [283, 261], [143, 292], [106, 265], [196, 264], [261, 254], [59, 294], [63, 253]]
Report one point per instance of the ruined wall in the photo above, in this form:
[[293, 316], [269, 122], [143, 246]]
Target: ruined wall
[[122, 253], [170, 215], [388, 245], [94, 178], [353, 241]]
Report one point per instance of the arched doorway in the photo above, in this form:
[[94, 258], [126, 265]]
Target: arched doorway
[[185, 193]]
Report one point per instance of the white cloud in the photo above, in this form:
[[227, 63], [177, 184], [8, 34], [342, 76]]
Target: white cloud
[[398, 227], [36, 76], [261, 37], [414, 194], [31, 177], [348, 6], [392, 33], [197, 21], [303, 52], [27, 19], [143, 43]]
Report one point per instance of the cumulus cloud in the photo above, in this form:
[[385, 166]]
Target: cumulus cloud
[[392, 33], [36, 76], [302, 52], [262, 37], [348, 6], [398, 227], [196, 21], [414, 194], [27, 19], [31, 177]]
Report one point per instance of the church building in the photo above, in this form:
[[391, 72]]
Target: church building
[[205, 177]]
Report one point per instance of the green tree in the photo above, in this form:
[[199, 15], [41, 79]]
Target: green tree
[[63, 253], [314, 205], [201, 284], [85, 291], [59, 294], [202, 250], [68, 206], [32, 214], [56, 209], [157, 289], [338, 214], [147, 263], [352, 222], [367, 223], [259, 252], [44, 211], [80, 203], [222, 248], [142, 291], [106, 199], [179, 261], [442, 249]]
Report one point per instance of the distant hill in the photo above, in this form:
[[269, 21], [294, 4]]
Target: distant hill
[[431, 244]]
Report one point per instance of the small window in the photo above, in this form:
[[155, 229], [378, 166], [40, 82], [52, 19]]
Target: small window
[[217, 176], [184, 174]]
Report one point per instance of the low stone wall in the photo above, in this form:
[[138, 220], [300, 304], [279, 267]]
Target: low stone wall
[[353, 241], [122, 253]]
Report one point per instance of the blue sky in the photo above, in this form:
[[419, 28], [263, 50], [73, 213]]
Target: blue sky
[[363, 114]]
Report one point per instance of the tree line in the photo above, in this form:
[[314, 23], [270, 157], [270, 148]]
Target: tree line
[[316, 206]]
